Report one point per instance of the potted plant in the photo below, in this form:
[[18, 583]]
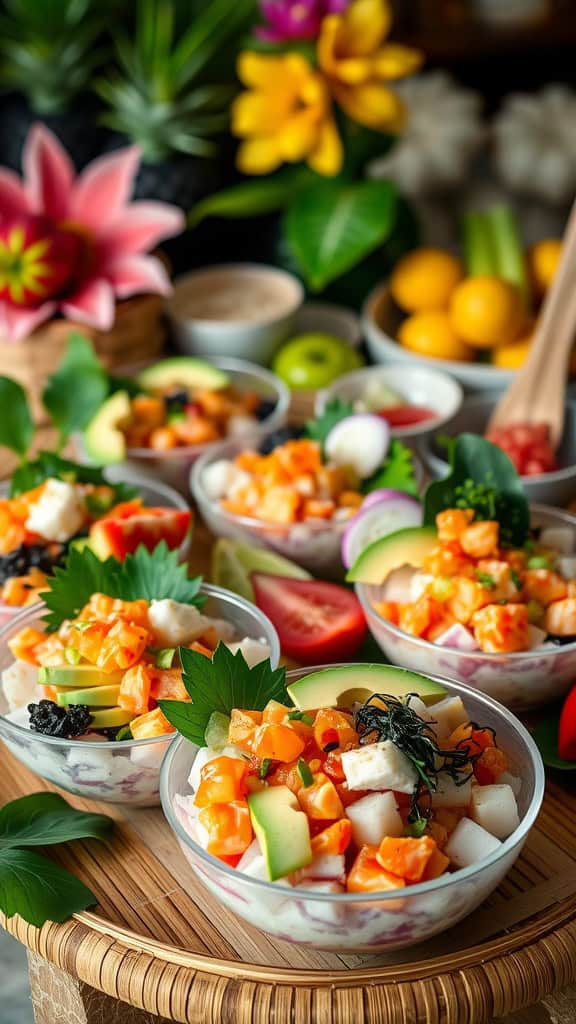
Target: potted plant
[[318, 97], [165, 93], [49, 50]]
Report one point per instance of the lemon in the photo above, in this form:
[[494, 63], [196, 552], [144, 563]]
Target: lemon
[[486, 311], [425, 279], [431, 334], [513, 355], [543, 260]]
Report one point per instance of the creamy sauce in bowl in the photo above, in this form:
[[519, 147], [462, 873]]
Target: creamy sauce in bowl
[[236, 293]]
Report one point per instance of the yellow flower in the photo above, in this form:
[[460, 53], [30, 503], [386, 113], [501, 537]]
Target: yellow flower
[[284, 116], [357, 64]]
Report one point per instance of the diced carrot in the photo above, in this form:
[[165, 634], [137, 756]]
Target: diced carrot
[[333, 840], [228, 827], [148, 409], [243, 727], [153, 723], [280, 505], [88, 642], [123, 646], [389, 610], [367, 875], [201, 649], [448, 560], [248, 461], [275, 712], [467, 597], [278, 742], [452, 522], [166, 684], [331, 481], [502, 628], [436, 866], [222, 780], [286, 775], [405, 856], [480, 540], [416, 618], [195, 429], [50, 651], [134, 692], [321, 800], [350, 499], [163, 439], [491, 763], [50, 693], [334, 727], [23, 645], [316, 508], [544, 586]]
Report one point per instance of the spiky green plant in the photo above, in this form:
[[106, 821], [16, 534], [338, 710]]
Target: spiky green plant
[[48, 49], [162, 95]]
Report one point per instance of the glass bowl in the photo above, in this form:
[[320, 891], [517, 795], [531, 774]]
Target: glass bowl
[[126, 772], [173, 466], [520, 681], [378, 921], [315, 544]]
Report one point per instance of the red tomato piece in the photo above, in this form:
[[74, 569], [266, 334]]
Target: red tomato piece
[[567, 728], [122, 536], [406, 415], [528, 445], [317, 622]]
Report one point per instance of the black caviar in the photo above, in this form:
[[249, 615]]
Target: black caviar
[[50, 719]]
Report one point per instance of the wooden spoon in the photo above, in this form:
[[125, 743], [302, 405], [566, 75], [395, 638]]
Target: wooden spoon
[[537, 393]]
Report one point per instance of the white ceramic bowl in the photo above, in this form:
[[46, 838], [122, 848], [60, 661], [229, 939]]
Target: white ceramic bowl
[[257, 338], [126, 772], [329, 318], [376, 921], [521, 680], [417, 385]]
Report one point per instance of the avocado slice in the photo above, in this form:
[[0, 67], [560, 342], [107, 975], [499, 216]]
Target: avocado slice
[[77, 677], [103, 440], [282, 830], [182, 371], [404, 547], [93, 696], [111, 718], [342, 687]]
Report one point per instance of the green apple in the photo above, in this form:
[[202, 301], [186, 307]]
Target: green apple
[[313, 361]]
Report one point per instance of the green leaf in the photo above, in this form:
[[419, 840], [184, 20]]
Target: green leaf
[[482, 477], [38, 890], [149, 575], [221, 683], [334, 411], [16, 424], [48, 464], [545, 736], [77, 389], [248, 198], [333, 225], [397, 473], [43, 819]]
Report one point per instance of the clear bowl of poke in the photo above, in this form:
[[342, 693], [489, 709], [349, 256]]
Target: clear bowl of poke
[[297, 490], [484, 590], [83, 675], [52, 504], [414, 400], [158, 420], [364, 808]]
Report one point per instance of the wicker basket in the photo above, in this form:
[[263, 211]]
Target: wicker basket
[[138, 335]]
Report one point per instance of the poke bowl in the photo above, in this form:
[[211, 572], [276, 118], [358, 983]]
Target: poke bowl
[[342, 901], [187, 406], [24, 569], [295, 495], [415, 400], [100, 766], [520, 678], [553, 487]]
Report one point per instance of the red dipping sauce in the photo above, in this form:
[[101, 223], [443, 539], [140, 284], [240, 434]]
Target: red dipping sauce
[[527, 445], [406, 415]]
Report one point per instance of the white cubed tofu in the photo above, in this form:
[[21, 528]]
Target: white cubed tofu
[[327, 911], [175, 623], [567, 566], [216, 478], [448, 714], [59, 512], [327, 866], [254, 652], [419, 584], [459, 637], [379, 766], [449, 794], [470, 843], [225, 630], [20, 684], [419, 707], [399, 585], [240, 426], [373, 817], [507, 779], [495, 809], [559, 538]]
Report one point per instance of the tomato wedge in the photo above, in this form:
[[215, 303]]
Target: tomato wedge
[[122, 536], [317, 622], [406, 415]]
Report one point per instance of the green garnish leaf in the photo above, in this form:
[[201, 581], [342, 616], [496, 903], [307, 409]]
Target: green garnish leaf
[[16, 425], [221, 683], [150, 575], [304, 772], [300, 716], [48, 464], [77, 389], [538, 562], [417, 828], [31, 885], [515, 577], [483, 478], [545, 736], [485, 580], [265, 767], [397, 472], [334, 411], [165, 657], [125, 733]]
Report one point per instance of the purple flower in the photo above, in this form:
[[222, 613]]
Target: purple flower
[[295, 19]]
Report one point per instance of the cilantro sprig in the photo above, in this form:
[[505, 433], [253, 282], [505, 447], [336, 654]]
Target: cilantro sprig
[[30, 884], [221, 683], [334, 411], [150, 575]]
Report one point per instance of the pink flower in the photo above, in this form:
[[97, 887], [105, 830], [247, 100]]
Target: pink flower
[[112, 234], [295, 19]]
